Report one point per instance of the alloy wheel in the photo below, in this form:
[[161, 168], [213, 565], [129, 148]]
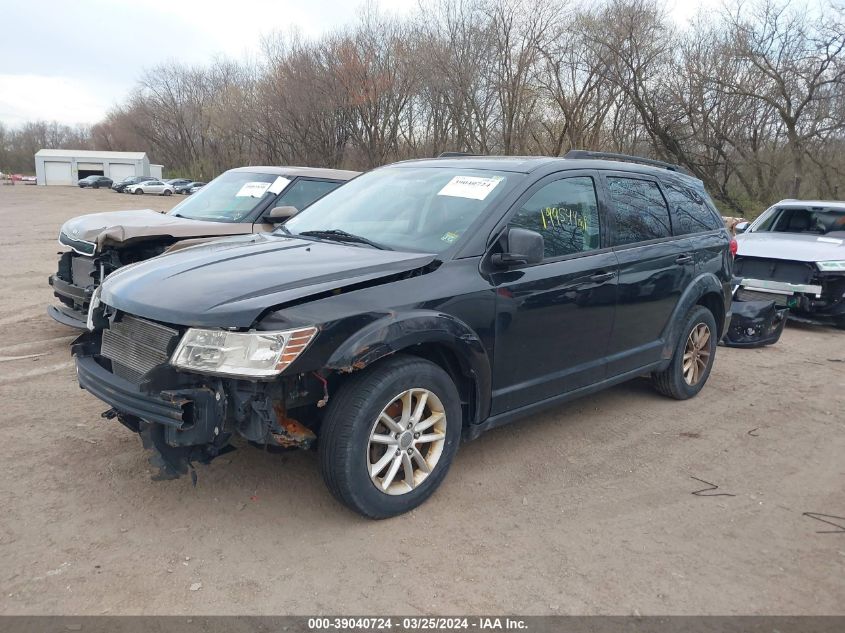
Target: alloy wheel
[[696, 354], [406, 441]]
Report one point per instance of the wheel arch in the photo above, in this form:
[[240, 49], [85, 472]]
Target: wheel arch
[[437, 337], [705, 290]]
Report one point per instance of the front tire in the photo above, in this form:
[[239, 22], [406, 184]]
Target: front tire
[[389, 436], [693, 358], [138, 191]]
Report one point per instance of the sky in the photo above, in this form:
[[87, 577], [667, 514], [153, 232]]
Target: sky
[[72, 61]]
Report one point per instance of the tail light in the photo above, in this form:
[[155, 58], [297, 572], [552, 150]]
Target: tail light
[[734, 247]]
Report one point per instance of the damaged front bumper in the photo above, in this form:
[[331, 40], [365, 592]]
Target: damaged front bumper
[[184, 418], [74, 297], [822, 301], [73, 309]]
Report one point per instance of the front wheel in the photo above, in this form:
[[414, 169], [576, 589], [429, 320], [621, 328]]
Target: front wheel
[[693, 358], [389, 436], [138, 191]]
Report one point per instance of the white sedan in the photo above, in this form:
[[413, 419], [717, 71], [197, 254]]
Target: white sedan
[[151, 186]]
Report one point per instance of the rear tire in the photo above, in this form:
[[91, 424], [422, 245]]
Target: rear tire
[[166, 192], [693, 358], [359, 451]]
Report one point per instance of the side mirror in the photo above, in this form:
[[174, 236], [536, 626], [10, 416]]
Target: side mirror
[[520, 246], [741, 227], [279, 214]]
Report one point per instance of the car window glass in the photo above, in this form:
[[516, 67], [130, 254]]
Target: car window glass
[[303, 192], [689, 210], [424, 209], [230, 197], [639, 210], [818, 221], [565, 212]]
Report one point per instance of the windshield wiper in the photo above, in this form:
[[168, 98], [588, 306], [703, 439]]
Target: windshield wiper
[[342, 236]]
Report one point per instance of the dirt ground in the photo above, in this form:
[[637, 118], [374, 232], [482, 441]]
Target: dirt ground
[[585, 509]]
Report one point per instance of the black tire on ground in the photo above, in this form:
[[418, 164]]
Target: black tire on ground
[[839, 323], [96, 186], [138, 191], [670, 382], [352, 412], [166, 192]]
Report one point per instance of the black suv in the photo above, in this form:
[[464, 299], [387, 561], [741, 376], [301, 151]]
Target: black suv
[[420, 303]]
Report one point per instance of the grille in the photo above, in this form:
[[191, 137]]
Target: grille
[[78, 245], [135, 346], [80, 271]]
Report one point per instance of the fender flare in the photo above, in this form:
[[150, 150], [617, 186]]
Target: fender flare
[[396, 332], [700, 286]]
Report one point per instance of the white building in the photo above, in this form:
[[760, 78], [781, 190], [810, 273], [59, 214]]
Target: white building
[[67, 166]]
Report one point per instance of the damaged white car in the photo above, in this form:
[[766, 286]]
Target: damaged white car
[[794, 254]]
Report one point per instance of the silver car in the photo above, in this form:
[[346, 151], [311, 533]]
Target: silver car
[[152, 185], [794, 254]]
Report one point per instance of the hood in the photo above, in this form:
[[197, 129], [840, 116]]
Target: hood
[[229, 283], [797, 247], [115, 227]]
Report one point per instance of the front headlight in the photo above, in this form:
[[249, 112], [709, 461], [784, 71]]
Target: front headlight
[[832, 266], [249, 354], [95, 303]]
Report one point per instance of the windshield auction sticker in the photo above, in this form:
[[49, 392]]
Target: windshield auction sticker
[[253, 190], [280, 183], [473, 187]]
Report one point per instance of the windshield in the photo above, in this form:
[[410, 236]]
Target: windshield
[[406, 208], [812, 220], [230, 197]]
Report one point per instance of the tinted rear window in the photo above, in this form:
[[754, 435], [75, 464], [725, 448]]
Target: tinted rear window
[[639, 211], [690, 211]]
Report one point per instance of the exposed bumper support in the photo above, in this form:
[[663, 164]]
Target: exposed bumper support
[[779, 287]]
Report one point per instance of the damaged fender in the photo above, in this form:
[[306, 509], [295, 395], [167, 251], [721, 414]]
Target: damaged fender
[[396, 332]]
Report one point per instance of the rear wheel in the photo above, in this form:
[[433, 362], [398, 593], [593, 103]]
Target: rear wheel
[[166, 192], [693, 358], [389, 436]]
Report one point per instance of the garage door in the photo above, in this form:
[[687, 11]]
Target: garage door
[[119, 171], [57, 173]]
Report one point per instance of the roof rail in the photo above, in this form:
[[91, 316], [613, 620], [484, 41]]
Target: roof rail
[[582, 153], [455, 154]]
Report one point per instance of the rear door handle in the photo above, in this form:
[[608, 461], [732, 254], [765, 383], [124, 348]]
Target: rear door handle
[[602, 276], [683, 259]]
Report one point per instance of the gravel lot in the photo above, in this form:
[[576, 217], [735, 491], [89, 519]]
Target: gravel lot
[[585, 509]]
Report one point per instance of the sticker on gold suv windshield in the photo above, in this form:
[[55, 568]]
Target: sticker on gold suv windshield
[[449, 237], [253, 190], [279, 184], [473, 187]]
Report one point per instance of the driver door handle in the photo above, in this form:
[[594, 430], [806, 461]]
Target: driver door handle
[[604, 276], [683, 259]]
